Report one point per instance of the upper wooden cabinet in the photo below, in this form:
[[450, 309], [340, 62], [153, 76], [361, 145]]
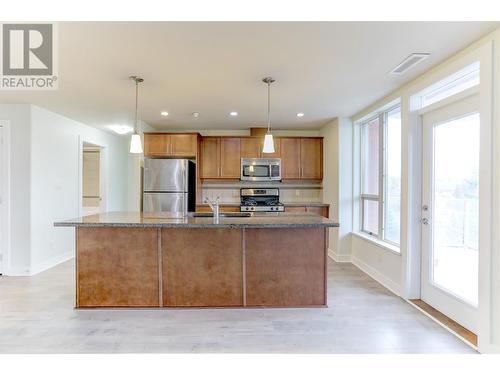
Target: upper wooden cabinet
[[156, 144], [220, 157], [184, 144], [170, 144], [290, 158], [210, 157], [230, 157], [311, 158], [250, 147], [301, 158], [277, 149]]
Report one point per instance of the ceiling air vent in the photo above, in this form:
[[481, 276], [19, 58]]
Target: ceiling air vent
[[409, 63]]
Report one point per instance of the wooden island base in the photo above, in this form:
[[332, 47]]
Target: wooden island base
[[200, 267]]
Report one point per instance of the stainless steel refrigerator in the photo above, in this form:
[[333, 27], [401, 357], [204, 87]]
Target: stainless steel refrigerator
[[169, 186]]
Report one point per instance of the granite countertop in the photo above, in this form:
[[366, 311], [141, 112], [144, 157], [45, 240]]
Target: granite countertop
[[257, 220]]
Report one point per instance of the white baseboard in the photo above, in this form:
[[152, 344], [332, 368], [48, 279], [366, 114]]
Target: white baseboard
[[17, 272], [374, 274], [338, 258], [489, 348], [52, 262]]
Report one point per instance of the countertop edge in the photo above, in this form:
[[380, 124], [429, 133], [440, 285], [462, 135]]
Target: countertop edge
[[201, 225]]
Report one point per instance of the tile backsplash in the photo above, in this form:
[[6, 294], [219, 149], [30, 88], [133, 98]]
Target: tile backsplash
[[287, 195]]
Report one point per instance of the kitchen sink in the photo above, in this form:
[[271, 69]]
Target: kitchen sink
[[222, 214]]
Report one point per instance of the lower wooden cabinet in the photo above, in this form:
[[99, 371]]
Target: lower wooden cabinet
[[222, 209], [208, 275], [117, 267], [200, 267], [319, 210], [283, 267], [291, 274], [295, 208]]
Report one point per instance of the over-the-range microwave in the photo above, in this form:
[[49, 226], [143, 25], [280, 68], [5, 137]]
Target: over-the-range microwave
[[260, 169]]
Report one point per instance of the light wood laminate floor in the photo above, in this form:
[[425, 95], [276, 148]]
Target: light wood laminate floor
[[37, 316]]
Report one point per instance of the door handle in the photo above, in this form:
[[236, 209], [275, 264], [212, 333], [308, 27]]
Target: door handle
[[425, 221]]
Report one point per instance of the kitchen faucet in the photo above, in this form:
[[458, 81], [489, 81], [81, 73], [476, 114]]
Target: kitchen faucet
[[214, 205]]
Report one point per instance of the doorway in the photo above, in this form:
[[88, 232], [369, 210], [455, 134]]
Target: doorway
[[450, 211], [92, 180]]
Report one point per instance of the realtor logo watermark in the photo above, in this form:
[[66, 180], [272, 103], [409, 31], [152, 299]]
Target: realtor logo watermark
[[28, 56]]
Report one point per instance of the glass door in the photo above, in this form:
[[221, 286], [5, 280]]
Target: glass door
[[450, 211]]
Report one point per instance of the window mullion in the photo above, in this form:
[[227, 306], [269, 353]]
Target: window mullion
[[381, 175]]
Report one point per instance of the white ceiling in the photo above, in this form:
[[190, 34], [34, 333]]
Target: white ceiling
[[324, 69]]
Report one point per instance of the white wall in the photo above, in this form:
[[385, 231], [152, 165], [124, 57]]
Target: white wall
[[46, 183], [337, 184], [330, 134], [378, 262], [19, 117], [55, 181]]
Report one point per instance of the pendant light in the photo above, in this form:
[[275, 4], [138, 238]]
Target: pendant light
[[268, 138], [135, 140]]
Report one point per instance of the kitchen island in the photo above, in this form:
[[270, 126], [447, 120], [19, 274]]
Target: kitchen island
[[137, 260]]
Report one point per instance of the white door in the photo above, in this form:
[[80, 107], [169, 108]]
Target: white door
[[450, 211]]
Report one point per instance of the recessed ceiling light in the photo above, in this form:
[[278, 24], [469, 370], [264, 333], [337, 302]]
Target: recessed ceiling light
[[196, 114], [234, 113], [121, 129], [300, 114], [164, 113]]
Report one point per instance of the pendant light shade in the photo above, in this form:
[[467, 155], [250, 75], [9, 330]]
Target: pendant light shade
[[135, 144], [135, 140], [268, 139], [268, 144]]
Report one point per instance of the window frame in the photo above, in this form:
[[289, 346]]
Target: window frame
[[381, 197]]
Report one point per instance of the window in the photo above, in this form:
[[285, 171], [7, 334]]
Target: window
[[392, 178], [381, 175], [461, 80]]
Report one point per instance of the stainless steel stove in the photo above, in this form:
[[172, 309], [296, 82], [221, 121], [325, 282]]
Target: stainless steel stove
[[261, 200]]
